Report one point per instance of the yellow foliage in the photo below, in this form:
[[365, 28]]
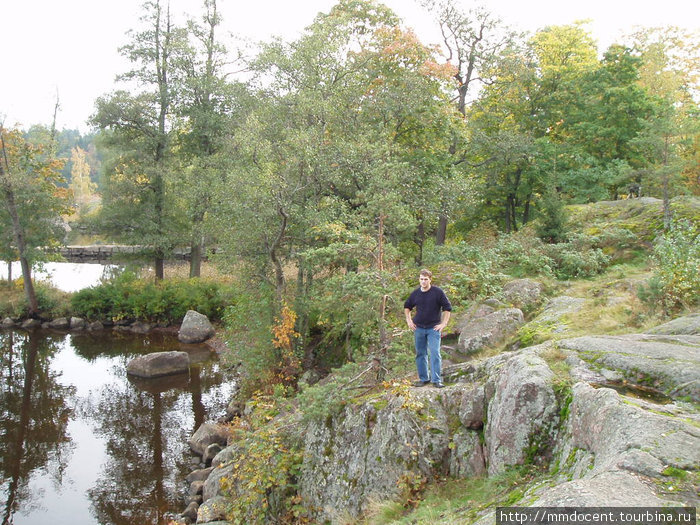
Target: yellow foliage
[[283, 329]]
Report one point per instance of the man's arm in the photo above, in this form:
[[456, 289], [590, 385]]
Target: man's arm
[[409, 321], [444, 321]]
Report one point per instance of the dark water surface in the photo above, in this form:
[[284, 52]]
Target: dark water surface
[[83, 444]]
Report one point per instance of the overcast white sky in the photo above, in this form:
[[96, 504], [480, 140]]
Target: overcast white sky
[[70, 47]]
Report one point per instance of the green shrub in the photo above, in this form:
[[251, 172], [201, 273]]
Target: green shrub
[[347, 307], [466, 271], [651, 293], [483, 268], [573, 263], [328, 397], [552, 223], [52, 302], [248, 323], [127, 297], [677, 257], [521, 256]]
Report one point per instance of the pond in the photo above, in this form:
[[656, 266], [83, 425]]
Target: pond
[[66, 276], [84, 444]]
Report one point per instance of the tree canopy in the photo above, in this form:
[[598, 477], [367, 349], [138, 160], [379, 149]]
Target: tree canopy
[[341, 156]]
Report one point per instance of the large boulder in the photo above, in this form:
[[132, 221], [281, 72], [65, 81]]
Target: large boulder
[[552, 321], [213, 510], [195, 328], [61, 323], [525, 294], [208, 434], [624, 433], [212, 485], [77, 323], [522, 414], [670, 363], [139, 327], [30, 324], [477, 311], [159, 364], [363, 453], [509, 409], [686, 325], [489, 330], [612, 443]]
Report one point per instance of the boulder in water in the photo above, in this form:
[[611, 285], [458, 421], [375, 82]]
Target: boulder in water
[[159, 364], [195, 328]]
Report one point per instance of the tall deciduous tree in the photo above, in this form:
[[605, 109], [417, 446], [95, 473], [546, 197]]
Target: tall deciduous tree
[[670, 65], [33, 202], [80, 184], [340, 160], [138, 128], [210, 107], [473, 40]]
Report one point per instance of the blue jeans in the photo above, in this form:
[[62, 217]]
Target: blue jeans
[[428, 343]]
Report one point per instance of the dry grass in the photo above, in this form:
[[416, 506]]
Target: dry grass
[[181, 270]]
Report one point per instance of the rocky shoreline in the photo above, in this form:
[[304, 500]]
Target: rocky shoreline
[[195, 327], [624, 430], [617, 433]]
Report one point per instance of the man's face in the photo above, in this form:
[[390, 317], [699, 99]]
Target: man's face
[[424, 282]]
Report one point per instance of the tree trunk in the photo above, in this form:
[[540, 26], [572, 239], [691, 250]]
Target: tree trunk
[[162, 58], [668, 216], [197, 247], [441, 233], [420, 241], [274, 258], [159, 265], [511, 208], [526, 210], [507, 215], [195, 259], [383, 336], [304, 279]]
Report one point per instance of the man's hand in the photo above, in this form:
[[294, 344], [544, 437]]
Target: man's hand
[[409, 319], [445, 320]]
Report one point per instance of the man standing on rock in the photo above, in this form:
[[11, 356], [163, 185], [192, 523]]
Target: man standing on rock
[[432, 314]]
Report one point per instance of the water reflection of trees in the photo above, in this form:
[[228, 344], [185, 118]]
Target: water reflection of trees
[[91, 345], [145, 425], [34, 414]]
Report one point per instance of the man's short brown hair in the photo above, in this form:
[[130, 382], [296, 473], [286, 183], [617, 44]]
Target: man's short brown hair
[[427, 273]]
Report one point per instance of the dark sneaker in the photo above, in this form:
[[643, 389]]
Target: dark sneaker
[[421, 383], [438, 385]]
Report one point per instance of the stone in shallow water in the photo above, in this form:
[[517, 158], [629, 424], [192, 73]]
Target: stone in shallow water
[[195, 328], [61, 323], [208, 434], [159, 364]]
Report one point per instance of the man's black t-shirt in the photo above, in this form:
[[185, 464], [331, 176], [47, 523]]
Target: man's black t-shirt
[[429, 306]]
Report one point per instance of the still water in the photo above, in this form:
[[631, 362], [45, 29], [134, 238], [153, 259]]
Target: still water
[[83, 444], [69, 277]]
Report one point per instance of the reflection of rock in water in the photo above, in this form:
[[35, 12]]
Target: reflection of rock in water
[[157, 385]]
